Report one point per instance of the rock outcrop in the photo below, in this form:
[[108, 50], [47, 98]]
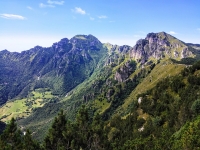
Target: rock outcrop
[[62, 66], [125, 71], [158, 46]]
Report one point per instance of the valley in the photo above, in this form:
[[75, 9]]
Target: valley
[[145, 84], [22, 108]]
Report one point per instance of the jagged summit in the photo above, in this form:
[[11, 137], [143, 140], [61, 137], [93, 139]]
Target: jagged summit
[[82, 70], [154, 47], [63, 55], [84, 37], [61, 43], [158, 46], [4, 51], [81, 42]]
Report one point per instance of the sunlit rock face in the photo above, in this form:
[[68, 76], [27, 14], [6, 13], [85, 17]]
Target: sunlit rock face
[[158, 46]]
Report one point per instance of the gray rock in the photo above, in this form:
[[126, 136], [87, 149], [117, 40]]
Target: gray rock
[[158, 45]]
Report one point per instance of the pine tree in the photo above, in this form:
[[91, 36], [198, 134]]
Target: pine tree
[[11, 137], [83, 136], [98, 134], [29, 143], [55, 138]]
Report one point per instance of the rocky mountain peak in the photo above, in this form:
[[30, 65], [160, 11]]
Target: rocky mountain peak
[[91, 37], [158, 46], [85, 38], [5, 51], [85, 42], [158, 38], [61, 43]]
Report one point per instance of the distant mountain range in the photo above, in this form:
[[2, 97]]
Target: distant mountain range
[[36, 84]]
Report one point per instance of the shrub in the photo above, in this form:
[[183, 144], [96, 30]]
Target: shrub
[[196, 106]]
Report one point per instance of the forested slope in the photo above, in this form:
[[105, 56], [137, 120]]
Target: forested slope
[[108, 79], [165, 117]]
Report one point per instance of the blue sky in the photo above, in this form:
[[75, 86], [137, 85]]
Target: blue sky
[[27, 23]]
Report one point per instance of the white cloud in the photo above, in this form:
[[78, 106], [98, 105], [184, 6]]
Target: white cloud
[[172, 32], [91, 18], [79, 10], [12, 16], [29, 7], [55, 2], [51, 4], [112, 21], [44, 5], [103, 17]]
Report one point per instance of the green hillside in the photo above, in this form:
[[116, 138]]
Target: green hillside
[[108, 79], [21, 108], [172, 121]]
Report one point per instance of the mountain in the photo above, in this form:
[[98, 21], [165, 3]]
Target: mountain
[[164, 117], [37, 83], [159, 46], [60, 67]]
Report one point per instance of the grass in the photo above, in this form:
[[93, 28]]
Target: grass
[[101, 105], [22, 108], [42, 95], [162, 70], [13, 109]]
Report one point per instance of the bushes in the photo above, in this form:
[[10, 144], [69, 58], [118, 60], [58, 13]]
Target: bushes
[[196, 107], [194, 80], [82, 134], [177, 83], [13, 138]]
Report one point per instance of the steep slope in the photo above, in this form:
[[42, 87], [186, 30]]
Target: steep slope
[[165, 117], [162, 70], [172, 122], [82, 70], [158, 56], [158, 46], [60, 67]]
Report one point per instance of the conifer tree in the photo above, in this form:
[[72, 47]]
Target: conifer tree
[[82, 121], [55, 138], [29, 143], [11, 137], [98, 135]]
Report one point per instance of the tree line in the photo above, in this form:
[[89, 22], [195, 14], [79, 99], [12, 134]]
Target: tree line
[[167, 118]]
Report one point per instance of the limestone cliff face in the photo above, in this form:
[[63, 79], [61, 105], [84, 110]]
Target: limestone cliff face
[[69, 62], [154, 47], [125, 71], [116, 53], [158, 46]]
